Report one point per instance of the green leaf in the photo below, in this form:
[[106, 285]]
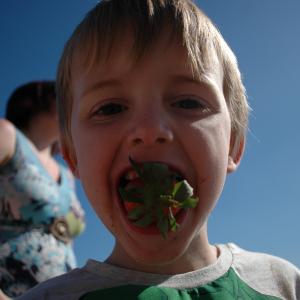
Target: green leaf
[[136, 213], [172, 221], [155, 173], [163, 226], [149, 197], [157, 193], [173, 224], [189, 203], [145, 221], [164, 200], [136, 167], [182, 191], [159, 214], [131, 195]]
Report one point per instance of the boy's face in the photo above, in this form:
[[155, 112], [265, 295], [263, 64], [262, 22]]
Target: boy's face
[[154, 110]]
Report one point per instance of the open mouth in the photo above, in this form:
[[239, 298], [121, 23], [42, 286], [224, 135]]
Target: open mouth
[[154, 196]]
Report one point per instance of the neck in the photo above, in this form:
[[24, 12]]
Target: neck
[[39, 140]]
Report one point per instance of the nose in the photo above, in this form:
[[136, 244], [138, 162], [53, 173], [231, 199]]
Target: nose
[[150, 130]]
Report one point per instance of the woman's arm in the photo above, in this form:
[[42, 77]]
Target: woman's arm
[[4, 297], [7, 140]]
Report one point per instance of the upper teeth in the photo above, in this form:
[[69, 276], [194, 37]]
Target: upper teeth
[[131, 174]]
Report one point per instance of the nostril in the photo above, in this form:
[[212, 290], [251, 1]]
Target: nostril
[[160, 140], [137, 141], [150, 135]]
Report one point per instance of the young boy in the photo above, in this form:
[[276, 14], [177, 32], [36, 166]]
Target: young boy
[[152, 84]]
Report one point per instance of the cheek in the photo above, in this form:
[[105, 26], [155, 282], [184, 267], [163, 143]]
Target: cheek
[[94, 160], [95, 146], [209, 155], [208, 143], [90, 149], [93, 173]]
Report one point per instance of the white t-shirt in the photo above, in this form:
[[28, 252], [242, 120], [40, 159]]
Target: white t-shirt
[[237, 274]]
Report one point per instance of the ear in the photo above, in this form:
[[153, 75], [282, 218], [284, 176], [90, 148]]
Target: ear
[[237, 147], [70, 158]]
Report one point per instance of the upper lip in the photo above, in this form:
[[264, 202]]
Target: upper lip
[[173, 167]]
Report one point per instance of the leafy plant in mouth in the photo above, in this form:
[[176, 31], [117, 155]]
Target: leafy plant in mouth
[[156, 198]]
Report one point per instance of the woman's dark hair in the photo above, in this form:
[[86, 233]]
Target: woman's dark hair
[[29, 100]]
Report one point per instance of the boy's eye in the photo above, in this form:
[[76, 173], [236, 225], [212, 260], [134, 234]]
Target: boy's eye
[[111, 109], [190, 103]]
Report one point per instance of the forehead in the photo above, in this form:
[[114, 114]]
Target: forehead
[[166, 53], [123, 51], [125, 44]]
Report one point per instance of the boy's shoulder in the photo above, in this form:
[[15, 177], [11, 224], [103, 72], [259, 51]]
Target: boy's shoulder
[[74, 284], [67, 286], [58, 287], [266, 273], [263, 273]]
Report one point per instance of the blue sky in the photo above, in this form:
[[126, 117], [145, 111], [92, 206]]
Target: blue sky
[[259, 208]]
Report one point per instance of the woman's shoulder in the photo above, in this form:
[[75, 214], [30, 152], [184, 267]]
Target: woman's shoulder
[[8, 140], [6, 128]]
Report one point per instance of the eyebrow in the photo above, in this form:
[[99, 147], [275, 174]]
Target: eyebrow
[[185, 78], [111, 83], [101, 84], [202, 80]]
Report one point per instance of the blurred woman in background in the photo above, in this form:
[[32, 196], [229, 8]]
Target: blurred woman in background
[[39, 211]]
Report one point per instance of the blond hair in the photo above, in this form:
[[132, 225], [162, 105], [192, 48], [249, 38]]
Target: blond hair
[[100, 30]]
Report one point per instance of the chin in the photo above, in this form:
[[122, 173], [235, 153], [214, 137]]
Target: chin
[[153, 252]]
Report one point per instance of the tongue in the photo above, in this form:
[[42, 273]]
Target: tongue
[[134, 183], [129, 206]]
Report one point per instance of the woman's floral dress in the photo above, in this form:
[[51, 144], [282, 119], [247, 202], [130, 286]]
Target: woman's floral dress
[[38, 219]]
